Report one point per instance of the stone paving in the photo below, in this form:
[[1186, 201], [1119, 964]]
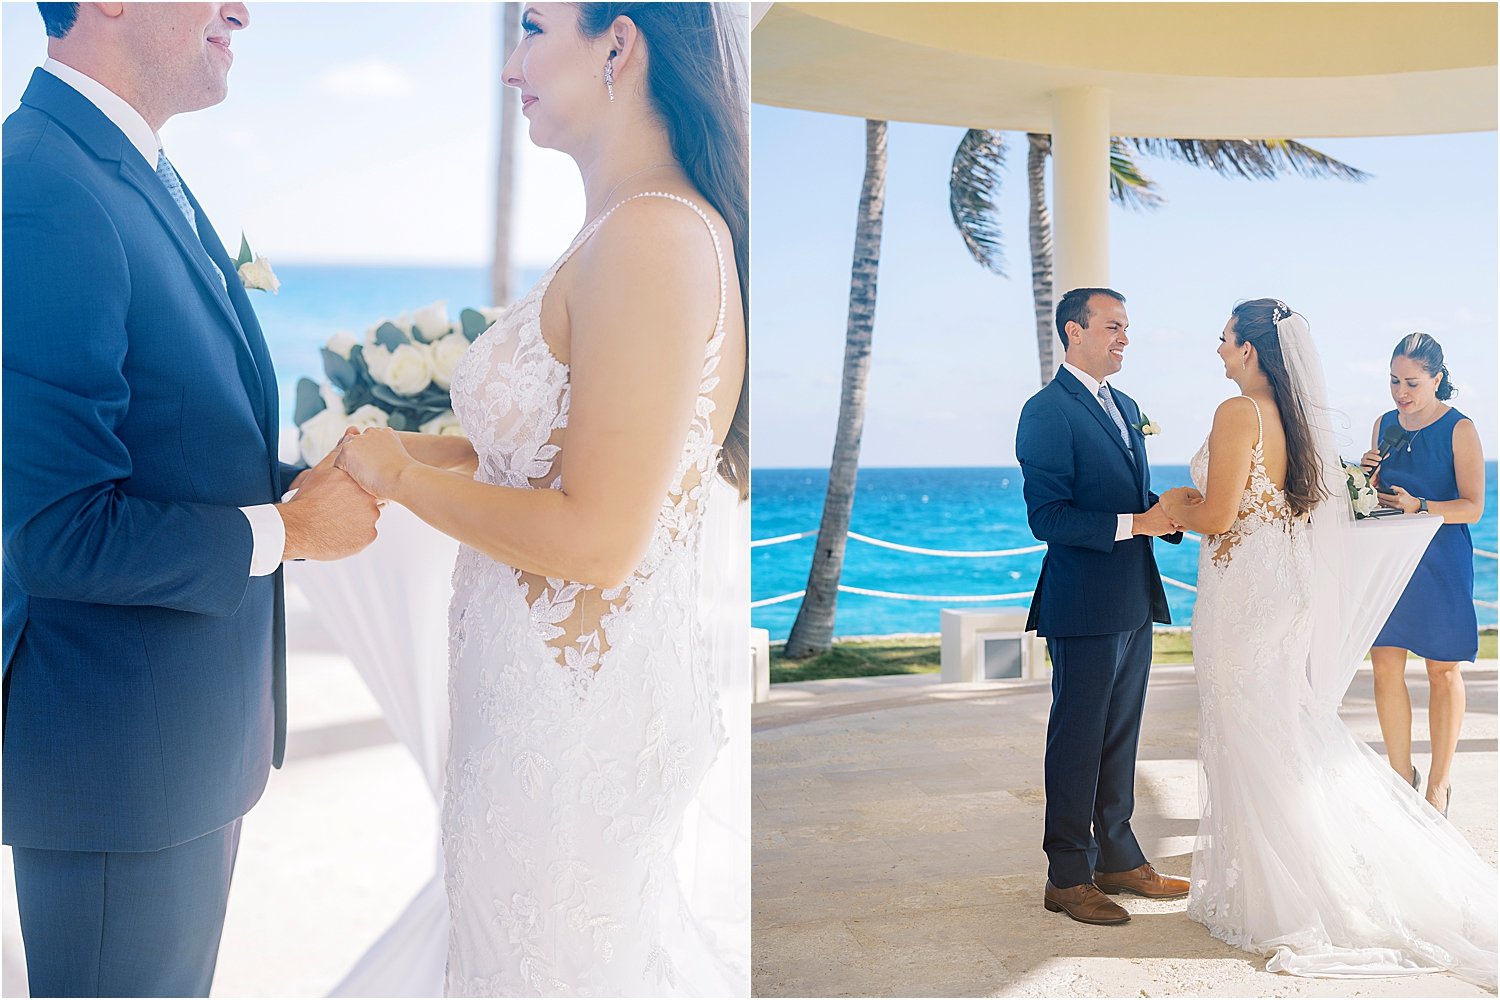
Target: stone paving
[[897, 830]]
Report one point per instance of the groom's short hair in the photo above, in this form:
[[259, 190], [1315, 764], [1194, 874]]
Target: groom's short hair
[[1074, 308], [58, 17]]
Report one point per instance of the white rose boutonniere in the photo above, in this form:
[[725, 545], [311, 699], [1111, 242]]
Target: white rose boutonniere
[[254, 270], [1147, 426]]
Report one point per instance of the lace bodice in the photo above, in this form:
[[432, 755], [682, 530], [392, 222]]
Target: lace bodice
[[511, 394], [1263, 504]]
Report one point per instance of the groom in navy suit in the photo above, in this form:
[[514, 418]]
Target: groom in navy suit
[[144, 672], [1082, 451]]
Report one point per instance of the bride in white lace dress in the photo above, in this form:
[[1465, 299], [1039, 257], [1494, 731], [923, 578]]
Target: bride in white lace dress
[[600, 409], [1310, 851]]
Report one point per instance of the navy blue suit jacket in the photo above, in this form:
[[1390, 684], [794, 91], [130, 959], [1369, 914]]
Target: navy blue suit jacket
[[144, 667], [1078, 477]]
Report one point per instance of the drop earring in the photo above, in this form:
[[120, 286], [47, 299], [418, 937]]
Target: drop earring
[[609, 77]]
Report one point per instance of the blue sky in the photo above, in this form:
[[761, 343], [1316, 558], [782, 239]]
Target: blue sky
[[354, 133], [954, 350]]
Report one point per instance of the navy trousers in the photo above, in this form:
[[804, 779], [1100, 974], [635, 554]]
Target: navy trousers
[[1098, 691], [125, 924]]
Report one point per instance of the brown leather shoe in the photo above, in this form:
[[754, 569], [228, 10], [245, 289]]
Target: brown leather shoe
[[1143, 881], [1084, 903]]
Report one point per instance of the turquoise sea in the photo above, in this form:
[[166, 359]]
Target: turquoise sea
[[929, 508], [952, 509]]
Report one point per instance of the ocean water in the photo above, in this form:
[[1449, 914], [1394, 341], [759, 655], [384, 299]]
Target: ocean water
[[931, 508], [954, 509], [317, 301]]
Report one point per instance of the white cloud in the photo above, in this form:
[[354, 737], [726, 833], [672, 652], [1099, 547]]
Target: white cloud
[[368, 78]]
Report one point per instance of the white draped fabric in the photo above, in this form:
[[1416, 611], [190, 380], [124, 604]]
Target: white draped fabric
[[388, 610]]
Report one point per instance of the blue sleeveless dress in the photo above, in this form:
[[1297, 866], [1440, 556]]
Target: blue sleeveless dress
[[1435, 616]]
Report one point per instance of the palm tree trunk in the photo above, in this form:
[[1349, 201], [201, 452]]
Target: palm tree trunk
[[1039, 147], [510, 102], [812, 632]]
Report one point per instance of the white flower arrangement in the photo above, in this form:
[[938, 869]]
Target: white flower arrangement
[[1362, 498], [398, 376], [1147, 426]]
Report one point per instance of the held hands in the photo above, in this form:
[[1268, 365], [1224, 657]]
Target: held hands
[[1156, 522], [375, 459], [330, 517], [1170, 510]]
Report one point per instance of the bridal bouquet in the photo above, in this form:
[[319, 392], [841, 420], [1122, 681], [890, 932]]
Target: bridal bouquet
[[1361, 494], [398, 377]]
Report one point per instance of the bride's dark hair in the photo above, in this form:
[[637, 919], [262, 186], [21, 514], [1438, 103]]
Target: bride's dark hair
[[1255, 323], [693, 78]]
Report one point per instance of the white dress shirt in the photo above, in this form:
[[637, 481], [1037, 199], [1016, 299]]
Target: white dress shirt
[[1124, 528], [267, 529]]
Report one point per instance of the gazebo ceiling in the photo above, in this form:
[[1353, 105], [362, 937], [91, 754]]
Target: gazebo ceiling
[[1205, 70]]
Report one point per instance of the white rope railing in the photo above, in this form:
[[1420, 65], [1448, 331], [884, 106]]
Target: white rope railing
[[949, 553], [779, 539], [972, 554]]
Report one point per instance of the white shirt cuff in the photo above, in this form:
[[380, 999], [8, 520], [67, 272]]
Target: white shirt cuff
[[1124, 529], [269, 533]]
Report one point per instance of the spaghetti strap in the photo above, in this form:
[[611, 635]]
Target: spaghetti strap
[[713, 233], [1260, 429]]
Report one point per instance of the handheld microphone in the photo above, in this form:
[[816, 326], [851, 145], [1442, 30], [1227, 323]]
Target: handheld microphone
[[1394, 437]]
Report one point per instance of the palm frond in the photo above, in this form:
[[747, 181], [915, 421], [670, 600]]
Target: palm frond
[[1250, 159], [1127, 185], [973, 189]]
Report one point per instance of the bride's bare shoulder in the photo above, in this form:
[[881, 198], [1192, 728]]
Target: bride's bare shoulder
[[1236, 413]]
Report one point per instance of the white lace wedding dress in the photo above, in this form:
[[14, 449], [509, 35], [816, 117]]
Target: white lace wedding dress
[[1310, 850], [583, 719]]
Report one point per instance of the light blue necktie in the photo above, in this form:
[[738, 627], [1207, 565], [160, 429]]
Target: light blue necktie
[[174, 188], [1109, 407]]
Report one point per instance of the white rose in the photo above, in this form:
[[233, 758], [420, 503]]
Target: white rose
[[492, 314], [445, 356], [1150, 428], [1366, 503], [444, 423], [321, 433], [377, 359], [257, 275], [407, 371], [342, 344], [331, 398], [431, 322], [368, 415]]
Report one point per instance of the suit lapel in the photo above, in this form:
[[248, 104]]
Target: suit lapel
[[1091, 404]]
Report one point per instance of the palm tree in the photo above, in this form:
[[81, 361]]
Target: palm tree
[[974, 184], [812, 632], [505, 168]]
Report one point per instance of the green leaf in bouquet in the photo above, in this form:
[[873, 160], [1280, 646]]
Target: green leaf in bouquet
[[309, 401], [474, 323], [357, 397], [340, 372], [245, 256], [388, 398], [390, 336], [400, 422]]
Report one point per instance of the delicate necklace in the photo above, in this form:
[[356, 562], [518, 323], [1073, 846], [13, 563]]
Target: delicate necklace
[[610, 194]]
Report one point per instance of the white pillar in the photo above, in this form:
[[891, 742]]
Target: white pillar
[[1080, 188]]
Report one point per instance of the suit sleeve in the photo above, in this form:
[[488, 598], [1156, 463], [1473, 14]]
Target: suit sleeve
[[1175, 538], [1044, 447], [288, 473], [71, 532]]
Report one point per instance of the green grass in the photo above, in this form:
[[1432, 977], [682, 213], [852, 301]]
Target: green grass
[[879, 657]]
